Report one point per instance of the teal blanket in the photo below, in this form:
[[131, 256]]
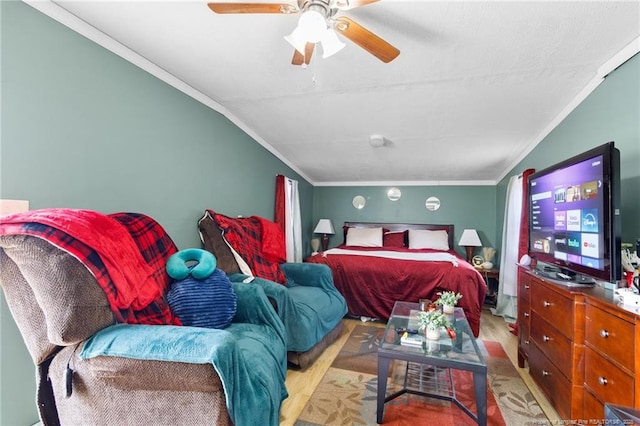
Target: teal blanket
[[249, 355], [309, 305]]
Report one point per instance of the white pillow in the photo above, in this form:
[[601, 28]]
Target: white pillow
[[425, 239], [364, 237]]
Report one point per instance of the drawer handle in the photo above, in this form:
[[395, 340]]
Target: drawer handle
[[527, 286], [526, 314], [604, 333], [602, 381], [526, 342], [545, 373], [546, 304], [545, 338]]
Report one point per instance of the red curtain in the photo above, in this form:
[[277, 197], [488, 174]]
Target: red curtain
[[279, 215], [523, 247], [523, 244]]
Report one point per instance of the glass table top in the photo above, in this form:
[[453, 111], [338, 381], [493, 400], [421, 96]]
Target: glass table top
[[462, 348]]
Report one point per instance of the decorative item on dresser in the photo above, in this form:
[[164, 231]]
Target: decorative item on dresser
[[581, 345]]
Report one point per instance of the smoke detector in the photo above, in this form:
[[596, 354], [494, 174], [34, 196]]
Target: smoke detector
[[376, 141]]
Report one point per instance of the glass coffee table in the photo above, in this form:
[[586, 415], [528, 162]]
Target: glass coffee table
[[429, 362]]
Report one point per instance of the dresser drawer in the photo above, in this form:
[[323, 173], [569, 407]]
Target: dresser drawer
[[607, 381], [557, 309], [554, 344], [610, 335], [524, 286], [553, 383]]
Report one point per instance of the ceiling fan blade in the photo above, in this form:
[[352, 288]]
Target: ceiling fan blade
[[352, 4], [366, 39], [299, 58], [253, 7]]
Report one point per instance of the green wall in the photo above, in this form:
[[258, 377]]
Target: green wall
[[83, 128], [462, 206], [609, 113]]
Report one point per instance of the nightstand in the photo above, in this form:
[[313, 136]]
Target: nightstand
[[491, 277]]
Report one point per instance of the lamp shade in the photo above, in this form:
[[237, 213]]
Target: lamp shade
[[297, 40], [313, 25], [330, 43], [324, 226], [470, 238]]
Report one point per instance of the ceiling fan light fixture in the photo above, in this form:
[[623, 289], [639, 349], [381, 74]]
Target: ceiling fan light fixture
[[313, 25], [331, 44], [297, 40]]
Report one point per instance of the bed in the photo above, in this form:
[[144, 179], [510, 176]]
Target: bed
[[380, 263]]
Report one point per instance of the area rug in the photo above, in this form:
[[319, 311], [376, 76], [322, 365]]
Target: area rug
[[346, 394]]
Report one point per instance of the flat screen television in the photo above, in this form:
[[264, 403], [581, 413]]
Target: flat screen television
[[574, 217]]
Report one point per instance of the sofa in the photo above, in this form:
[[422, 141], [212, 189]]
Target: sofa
[[303, 294], [106, 347]]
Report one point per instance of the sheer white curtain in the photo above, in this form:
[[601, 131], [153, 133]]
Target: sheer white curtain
[[506, 305], [293, 221]]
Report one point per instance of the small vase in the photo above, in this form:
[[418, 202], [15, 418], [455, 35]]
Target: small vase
[[432, 334], [447, 309], [315, 245], [432, 346]]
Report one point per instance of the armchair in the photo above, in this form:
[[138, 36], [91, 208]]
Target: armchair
[[303, 294], [92, 369]]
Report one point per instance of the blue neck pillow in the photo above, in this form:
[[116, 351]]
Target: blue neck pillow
[[205, 264], [201, 295]]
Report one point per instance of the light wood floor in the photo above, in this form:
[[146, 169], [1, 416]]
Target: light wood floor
[[301, 384]]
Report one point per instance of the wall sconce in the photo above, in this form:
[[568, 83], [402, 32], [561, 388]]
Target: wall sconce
[[469, 240], [394, 194], [324, 227]]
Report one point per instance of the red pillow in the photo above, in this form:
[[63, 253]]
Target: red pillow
[[245, 236], [394, 239]]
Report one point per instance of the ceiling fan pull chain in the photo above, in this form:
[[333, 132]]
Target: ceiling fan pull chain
[[315, 69]]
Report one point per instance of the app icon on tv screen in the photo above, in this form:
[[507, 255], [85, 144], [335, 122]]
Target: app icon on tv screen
[[590, 220], [590, 245]]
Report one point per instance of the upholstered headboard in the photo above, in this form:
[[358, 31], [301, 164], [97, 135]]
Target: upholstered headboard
[[399, 227]]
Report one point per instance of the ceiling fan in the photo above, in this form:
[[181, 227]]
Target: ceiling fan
[[318, 24]]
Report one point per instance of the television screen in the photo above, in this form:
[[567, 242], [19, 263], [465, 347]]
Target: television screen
[[574, 218]]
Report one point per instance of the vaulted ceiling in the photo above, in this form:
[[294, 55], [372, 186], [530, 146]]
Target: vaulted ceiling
[[475, 87]]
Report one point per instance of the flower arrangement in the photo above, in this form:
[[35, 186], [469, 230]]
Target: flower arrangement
[[432, 320], [449, 298]]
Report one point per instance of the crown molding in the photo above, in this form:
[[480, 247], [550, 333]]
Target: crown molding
[[413, 183]]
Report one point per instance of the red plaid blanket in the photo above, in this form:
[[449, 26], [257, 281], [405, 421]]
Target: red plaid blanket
[[127, 256], [247, 237]]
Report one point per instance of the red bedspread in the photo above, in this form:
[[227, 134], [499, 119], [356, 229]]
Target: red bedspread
[[371, 285]]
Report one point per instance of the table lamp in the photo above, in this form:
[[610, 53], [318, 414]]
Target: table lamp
[[469, 240], [324, 227]]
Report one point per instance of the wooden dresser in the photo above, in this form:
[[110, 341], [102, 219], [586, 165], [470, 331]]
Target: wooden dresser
[[580, 346]]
